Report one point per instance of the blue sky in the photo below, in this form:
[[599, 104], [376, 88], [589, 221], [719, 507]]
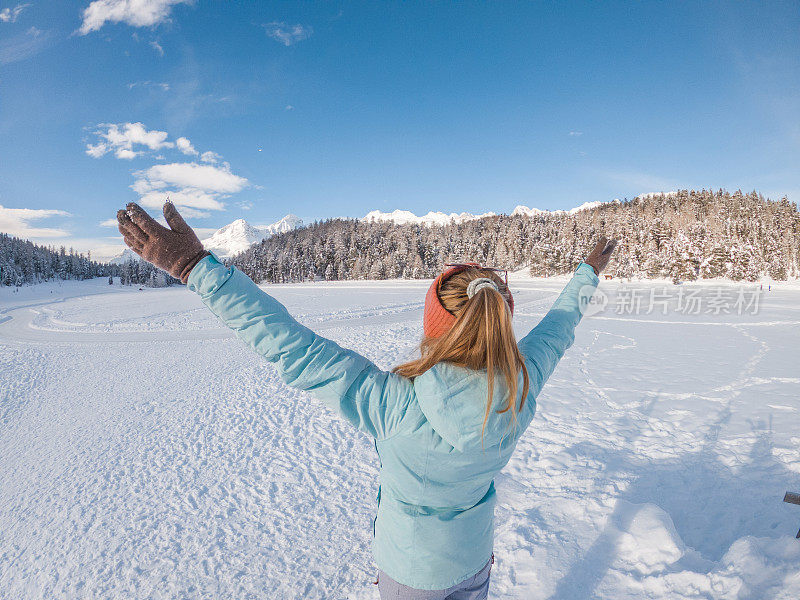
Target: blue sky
[[257, 109]]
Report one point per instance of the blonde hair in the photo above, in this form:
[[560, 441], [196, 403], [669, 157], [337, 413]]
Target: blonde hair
[[481, 338]]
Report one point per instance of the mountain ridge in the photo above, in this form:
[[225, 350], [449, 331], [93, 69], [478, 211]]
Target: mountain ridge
[[239, 235]]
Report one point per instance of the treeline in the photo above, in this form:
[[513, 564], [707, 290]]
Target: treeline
[[23, 262], [141, 272], [683, 235]]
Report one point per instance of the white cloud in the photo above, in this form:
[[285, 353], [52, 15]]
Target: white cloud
[[575, 133], [125, 153], [210, 157], [127, 140], [136, 13], [193, 187], [15, 221], [193, 203], [9, 15], [206, 177], [164, 86], [157, 47], [109, 223], [185, 146], [289, 107], [23, 45], [136, 133], [96, 150], [287, 34]]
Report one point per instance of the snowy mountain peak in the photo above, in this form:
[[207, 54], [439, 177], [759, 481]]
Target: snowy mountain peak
[[237, 229], [530, 212], [403, 217], [584, 206], [239, 235], [126, 255], [287, 223]]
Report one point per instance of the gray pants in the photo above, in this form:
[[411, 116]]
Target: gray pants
[[472, 588]]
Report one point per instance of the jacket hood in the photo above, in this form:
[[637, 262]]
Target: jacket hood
[[453, 399]]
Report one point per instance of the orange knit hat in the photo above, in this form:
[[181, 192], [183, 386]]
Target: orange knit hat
[[436, 319]]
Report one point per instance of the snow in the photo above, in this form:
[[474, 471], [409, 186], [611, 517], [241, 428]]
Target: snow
[[147, 453], [647, 541], [526, 211], [126, 255], [403, 217], [532, 212], [585, 206], [654, 194], [239, 235]]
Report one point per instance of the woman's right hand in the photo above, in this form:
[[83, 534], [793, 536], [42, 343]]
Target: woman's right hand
[[175, 249], [599, 257]]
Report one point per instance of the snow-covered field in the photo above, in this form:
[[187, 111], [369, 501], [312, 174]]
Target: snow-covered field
[[146, 453]]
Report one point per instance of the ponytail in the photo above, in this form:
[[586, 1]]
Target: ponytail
[[482, 337]]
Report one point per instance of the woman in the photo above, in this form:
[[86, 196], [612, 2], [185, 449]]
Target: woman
[[444, 424]]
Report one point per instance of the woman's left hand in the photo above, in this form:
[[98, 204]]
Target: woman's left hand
[[599, 257]]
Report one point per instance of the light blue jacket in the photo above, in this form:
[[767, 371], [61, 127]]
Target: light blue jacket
[[435, 518]]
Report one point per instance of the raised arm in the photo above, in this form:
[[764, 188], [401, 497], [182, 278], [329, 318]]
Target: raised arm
[[371, 399], [546, 343]]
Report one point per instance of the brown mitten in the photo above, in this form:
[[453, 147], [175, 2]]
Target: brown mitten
[[599, 257], [176, 250]]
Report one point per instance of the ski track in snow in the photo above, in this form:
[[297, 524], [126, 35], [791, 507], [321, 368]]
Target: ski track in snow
[[147, 453]]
